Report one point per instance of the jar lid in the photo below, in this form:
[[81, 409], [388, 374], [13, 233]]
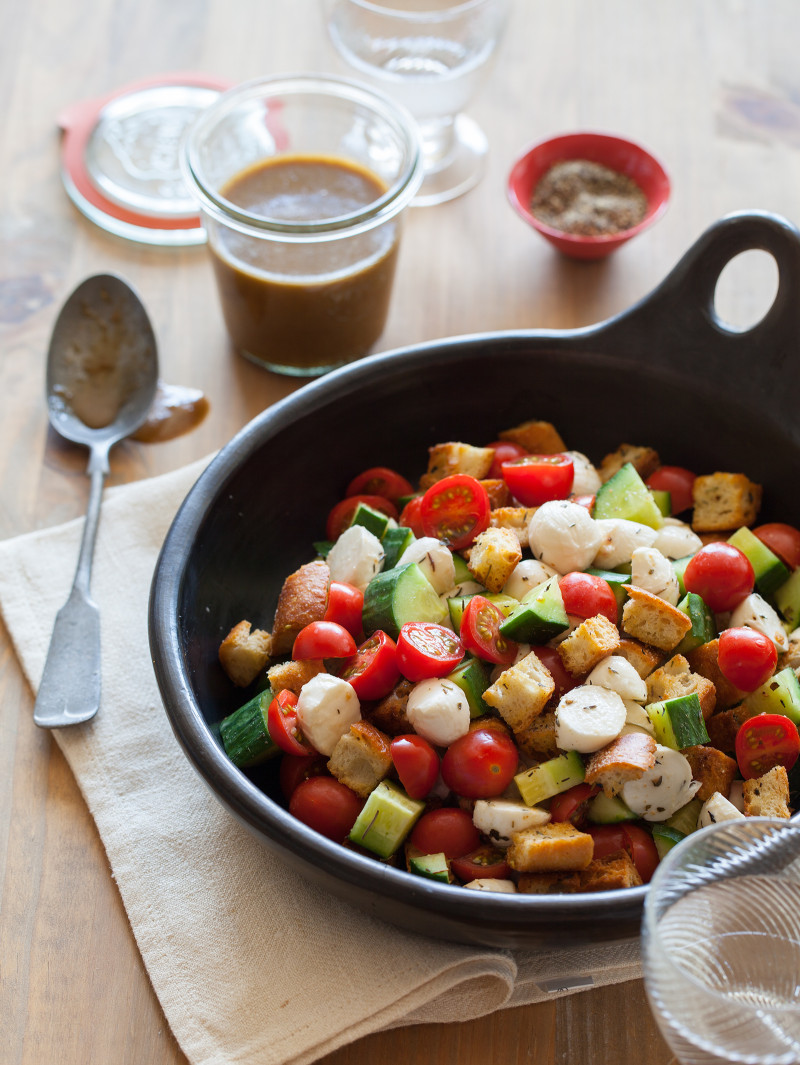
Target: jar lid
[[120, 160]]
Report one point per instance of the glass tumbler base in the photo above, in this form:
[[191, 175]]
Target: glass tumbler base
[[460, 170]]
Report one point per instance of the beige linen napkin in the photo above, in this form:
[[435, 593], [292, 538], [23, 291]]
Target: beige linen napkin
[[251, 963]]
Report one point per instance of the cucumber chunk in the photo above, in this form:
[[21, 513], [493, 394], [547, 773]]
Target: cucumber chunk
[[619, 582], [394, 542], [550, 778], [472, 677], [770, 572], [399, 595], [779, 695], [608, 810], [625, 495], [375, 521], [431, 866], [663, 500], [665, 838], [462, 569], [539, 616], [787, 599], [703, 629], [679, 565], [245, 735], [386, 819], [685, 819], [678, 723]]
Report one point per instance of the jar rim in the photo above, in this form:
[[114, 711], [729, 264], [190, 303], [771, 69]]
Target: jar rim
[[384, 207], [431, 15]]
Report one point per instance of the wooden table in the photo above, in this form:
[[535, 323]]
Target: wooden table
[[712, 87]]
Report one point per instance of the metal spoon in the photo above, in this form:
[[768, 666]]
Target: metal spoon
[[102, 372]]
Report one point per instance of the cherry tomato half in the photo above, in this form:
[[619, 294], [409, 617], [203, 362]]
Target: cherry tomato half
[[784, 540], [380, 481], [417, 764], [721, 575], [483, 863], [455, 510], [295, 768], [481, 764], [345, 606], [585, 595], [323, 639], [570, 805], [282, 724], [678, 482], [427, 650], [411, 516], [480, 632], [341, 515], [636, 840], [504, 451], [746, 657], [373, 670], [536, 479], [765, 741], [563, 679], [448, 830], [327, 806]]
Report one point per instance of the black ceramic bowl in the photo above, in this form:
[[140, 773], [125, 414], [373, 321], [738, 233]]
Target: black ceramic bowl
[[665, 373]]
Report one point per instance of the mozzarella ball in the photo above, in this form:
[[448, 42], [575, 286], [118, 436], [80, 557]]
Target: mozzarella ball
[[438, 710], [356, 557], [564, 535], [620, 538], [587, 479], [326, 708], [617, 675], [653, 572], [754, 612], [587, 718], [661, 791], [434, 559], [676, 539], [527, 575]]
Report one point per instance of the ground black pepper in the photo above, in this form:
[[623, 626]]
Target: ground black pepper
[[586, 198]]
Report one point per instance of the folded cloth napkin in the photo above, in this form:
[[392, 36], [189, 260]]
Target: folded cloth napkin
[[251, 963]]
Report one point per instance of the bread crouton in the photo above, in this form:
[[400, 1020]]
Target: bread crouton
[[790, 658], [652, 620], [704, 660], [714, 769], [244, 653], [515, 519], [303, 599], [361, 758], [723, 725], [767, 795], [625, 758], [644, 460], [675, 678], [537, 437], [494, 555], [548, 883], [293, 675], [538, 740], [610, 873], [521, 692], [389, 713], [644, 659], [555, 847], [498, 492], [724, 501], [454, 457], [588, 644]]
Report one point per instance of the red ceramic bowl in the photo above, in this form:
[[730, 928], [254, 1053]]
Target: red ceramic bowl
[[618, 154]]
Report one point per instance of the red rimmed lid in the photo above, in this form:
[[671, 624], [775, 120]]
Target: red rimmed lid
[[120, 157]]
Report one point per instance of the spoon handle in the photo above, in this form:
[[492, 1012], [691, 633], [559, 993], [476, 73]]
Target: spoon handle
[[69, 692]]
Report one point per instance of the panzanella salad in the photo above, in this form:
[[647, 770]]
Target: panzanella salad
[[530, 673]]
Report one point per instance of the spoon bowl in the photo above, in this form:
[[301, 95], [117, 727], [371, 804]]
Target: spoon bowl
[[102, 374]]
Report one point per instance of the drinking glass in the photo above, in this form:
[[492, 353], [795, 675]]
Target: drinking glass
[[430, 56], [721, 944]]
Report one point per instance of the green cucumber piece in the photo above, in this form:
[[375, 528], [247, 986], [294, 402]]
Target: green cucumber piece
[[472, 677], [663, 500], [703, 629], [550, 778], [679, 565], [625, 495], [386, 819], [665, 838], [539, 616], [769, 571], [506, 604], [245, 735], [779, 695], [432, 866], [618, 582], [462, 569], [787, 599], [399, 595], [396, 540], [678, 723], [456, 607], [322, 547], [608, 810], [373, 520], [685, 819]]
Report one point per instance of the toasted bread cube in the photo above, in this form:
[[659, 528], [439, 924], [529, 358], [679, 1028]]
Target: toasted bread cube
[[723, 725], [714, 769], [498, 492], [548, 883], [704, 660], [389, 713], [293, 675], [551, 848], [652, 620], [303, 599], [625, 758], [453, 457], [790, 658], [537, 437], [538, 740], [244, 653], [494, 555], [515, 519], [644, 659], [361, 758], [675, 678], [767, 795], [644, 460], [610, 873], [521, 692], [724, 501], [588, 644]]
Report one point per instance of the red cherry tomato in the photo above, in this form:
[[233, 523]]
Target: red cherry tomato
[[455, 510], [426, 650], [585, 595], [678, 482], [417, 764], [323, 639], [784, 540], [448, 830], [536, 479], [327, 806], [295, 768], [570, 805], [380, 481], [636, 840], [480, 632], [345, 606], [282, 724], [504, 451], [563, 679], [411, 516], [746, 657], [721, 575], [342, 514], [373, 670], [765, 741], [481, 764], [480, 864]]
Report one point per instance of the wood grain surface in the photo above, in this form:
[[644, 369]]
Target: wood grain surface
[[711, 86]]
